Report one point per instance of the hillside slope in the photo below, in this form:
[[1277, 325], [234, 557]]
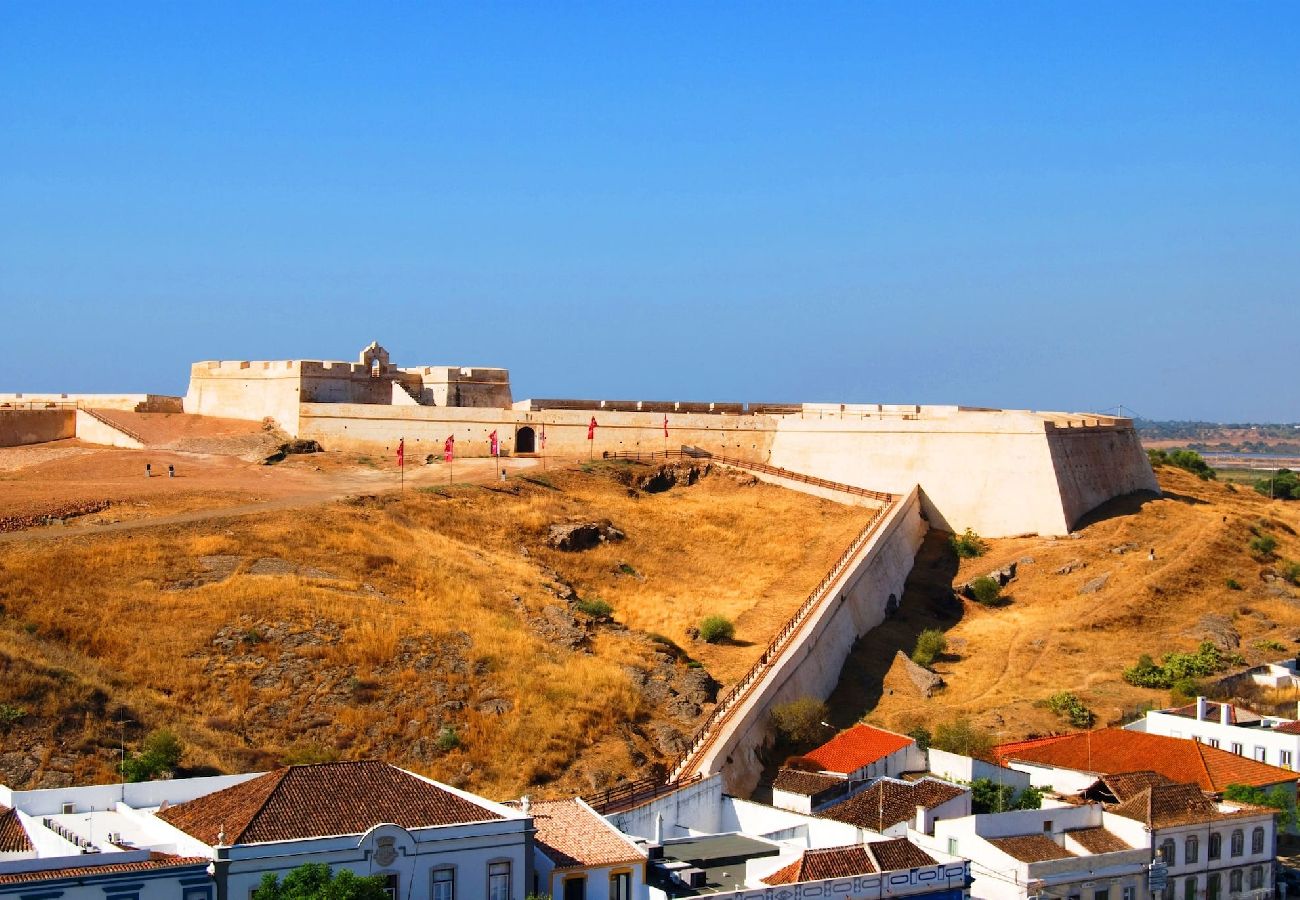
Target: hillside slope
[[437, 630], [1082, 609]]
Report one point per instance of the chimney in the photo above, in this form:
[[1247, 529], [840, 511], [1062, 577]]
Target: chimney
[[1225, 712], [923, 820], [1200, 709], [659, 829], [526, 805]]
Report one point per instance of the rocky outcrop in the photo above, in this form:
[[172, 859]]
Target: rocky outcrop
[[573, 537], [926, 682]]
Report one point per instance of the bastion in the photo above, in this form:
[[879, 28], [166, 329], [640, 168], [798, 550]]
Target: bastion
[[1001, 472]]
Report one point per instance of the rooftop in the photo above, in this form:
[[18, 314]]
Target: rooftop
[[1031, 848], [1098, 840], [856, 747], [829, 862], [300, 802], [889, 802], [721, 856], [1114, 750], [13, 837], [572, 836], [156, 861], [1155, 800], [1237, 715], [807, 783]]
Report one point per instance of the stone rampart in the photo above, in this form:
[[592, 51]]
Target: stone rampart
[[35, 426], [857, 603], [125, 402], [94, 429]]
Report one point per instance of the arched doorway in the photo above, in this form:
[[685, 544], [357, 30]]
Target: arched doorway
[[526, 440]]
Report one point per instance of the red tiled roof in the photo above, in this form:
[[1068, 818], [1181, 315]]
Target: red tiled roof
[[1157, 801], [806, 783], [899, 854], [856, 747], [1031, 847], [156, 861], [1237, 715], [1288, 728], [888, 802], [300, 802], [13, 837], [1098, 840], [573, 836], [828, 862], [1113, 750]]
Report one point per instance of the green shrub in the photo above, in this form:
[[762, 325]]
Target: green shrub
[[960, 736], [1068, 706], [1262, 545], [986, 590], [447, 739], [716, 629], [987, 796], [1206, 660], [1290, 571], [800, 721], [1232, 584], [10, 715], [968, 544], [921, 735], [930, 645], [1284, 485], [1189, 460], [1277, 798], [317, 881], [595, 607], [159, 756]]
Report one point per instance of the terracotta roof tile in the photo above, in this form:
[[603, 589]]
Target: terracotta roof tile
[[316, 801], [1288, 728], [806, 783], [856, 747], [889, 802], [1098, 840], [1151, 798], [828, 862], [572, 836], [13, 837], [1031, 847], [1111, 750], [899, 854], [156, 861]]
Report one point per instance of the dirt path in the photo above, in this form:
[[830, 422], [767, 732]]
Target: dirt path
[[470, 471]]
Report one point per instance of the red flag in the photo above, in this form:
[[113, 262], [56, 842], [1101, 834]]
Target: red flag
[[449, 448], [495, 449], [401, 453], [591, 429], [665, 426]]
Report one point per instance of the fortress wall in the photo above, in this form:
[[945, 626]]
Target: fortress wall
[[96, 431], [251, 391], [36, 426], [991, 471], [811, 668], [361, 427], [127, 402], [1094, 464], [462, 386]]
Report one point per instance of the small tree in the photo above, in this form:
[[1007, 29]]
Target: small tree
[[968, 544], [986, 590], [800, 721], [930, 645], [960, 736], [1068, 706], [316, 881], [159, 756], [1262, 546], [921, 735], [1278, 798], [716, 629]]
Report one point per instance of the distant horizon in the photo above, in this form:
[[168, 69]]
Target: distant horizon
[[982, 204]]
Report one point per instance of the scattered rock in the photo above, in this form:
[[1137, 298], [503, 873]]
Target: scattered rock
[[1219, 630], [668, 476], [926, 682], [576, 536], [1073, 565], [1027, 560], [1093, 585], [1124, 548]]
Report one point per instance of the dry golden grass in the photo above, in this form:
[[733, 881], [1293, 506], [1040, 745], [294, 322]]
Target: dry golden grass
[[1005, 661], [416, 614]]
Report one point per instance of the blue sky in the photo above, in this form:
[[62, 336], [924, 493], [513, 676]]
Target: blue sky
[[1044, 205]]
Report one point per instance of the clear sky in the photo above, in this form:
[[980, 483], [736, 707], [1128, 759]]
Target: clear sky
[[1044, 205]]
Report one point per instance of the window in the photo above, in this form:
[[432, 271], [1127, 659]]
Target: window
[[1236, 748], [1213, 742], [499, 881], [575, 888], [1168, 892], [1215, 849], [1256, 877], [1284, 759], [444, 884], [197, 893], [1192, 849], [620, 886], [952, 846], [1234, 881], [1238, 846], [1213, 887], [1257, 841], [1259, 754], [391, 885], [1130, 893], [1189, 888], [1047, 825], [1169, 852], [1102, 894]]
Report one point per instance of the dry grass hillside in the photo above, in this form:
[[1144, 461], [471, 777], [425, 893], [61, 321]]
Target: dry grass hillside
[[437, 630], [1077, 631]]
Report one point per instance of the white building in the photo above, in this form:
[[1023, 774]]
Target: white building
[[1265, 739], [864, 752], [577, 855]]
